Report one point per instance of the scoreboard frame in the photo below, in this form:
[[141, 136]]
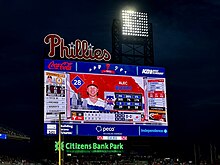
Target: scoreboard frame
[[143, 113]]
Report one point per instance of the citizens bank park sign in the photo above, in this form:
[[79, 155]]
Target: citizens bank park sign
[[75, 50], [89, 147]]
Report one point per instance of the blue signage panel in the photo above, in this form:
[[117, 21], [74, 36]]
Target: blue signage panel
[[3, 136], [153, 131], [151, 71], [102, 68], [106, 130]]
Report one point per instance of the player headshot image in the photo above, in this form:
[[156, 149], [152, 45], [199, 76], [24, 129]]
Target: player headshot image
[[49, 79], [93, 102]]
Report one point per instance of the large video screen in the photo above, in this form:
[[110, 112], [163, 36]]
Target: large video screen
[[102, 99]]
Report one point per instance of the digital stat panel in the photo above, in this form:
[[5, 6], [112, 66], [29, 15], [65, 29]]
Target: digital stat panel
[[97, 99]]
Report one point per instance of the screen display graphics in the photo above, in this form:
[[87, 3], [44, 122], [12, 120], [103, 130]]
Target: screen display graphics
[[99, 99]]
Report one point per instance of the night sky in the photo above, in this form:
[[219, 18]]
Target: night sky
[[185, 38]]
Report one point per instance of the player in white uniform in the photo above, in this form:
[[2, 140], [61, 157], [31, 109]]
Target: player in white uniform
[[93, 102]]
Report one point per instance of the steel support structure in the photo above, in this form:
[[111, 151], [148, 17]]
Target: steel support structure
[[133, 50]]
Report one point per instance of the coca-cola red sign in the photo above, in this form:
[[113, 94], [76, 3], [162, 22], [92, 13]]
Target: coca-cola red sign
[[75, 50], [60, 66]]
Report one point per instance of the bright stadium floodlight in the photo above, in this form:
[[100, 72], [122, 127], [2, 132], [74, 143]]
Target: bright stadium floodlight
[[134, 23]]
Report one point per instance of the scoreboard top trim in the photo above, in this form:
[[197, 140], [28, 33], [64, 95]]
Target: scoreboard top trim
[[103, 68]]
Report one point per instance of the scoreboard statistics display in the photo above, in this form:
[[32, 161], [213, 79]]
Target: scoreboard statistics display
[[102, 99], [126, 101]]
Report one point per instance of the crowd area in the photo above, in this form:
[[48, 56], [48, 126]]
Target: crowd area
[[9, 160], [11, 132], [97, 160]]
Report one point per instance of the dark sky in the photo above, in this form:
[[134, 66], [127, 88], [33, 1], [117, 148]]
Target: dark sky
[[186, 42]]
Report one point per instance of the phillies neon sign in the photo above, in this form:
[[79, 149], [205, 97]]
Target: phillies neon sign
[[75, 50]]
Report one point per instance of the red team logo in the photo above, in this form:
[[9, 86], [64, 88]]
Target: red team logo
[[76, 50]]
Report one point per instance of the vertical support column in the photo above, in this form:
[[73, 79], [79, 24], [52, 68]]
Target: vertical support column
[[195, 154], [211, 154], [59, 138]]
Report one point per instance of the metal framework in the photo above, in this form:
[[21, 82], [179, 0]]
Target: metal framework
[[134, 50]]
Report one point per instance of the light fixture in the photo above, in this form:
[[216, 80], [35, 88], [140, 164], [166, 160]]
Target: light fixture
[[134, 23]]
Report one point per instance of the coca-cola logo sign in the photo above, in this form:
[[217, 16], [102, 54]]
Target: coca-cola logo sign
[[60, 66], [75, 50]]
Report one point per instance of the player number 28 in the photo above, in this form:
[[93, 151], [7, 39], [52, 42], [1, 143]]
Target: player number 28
[[77, 82]]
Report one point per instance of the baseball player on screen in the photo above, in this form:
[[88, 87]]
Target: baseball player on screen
[[93, 102]]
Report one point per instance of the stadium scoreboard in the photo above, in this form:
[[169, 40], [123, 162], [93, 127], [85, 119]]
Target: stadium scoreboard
[[102, 99]]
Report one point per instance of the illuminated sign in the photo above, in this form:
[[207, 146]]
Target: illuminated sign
[[134, 23], [89, 147], [92, 95], [75, 50], [3, 136]]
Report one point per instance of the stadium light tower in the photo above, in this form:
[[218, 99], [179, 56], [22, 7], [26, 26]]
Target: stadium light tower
[[134, 23], [132, 39]]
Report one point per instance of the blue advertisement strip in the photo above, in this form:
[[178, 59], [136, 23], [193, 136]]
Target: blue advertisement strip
[[60, 65], [151, 71], [103, 68], [153, 131], [106, 130], [3, 136]]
